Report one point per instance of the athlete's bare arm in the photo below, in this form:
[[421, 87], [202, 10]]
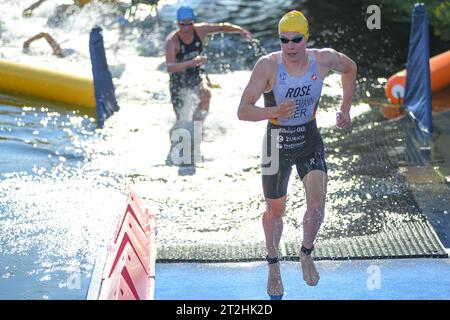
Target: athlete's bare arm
[[171, 51], [333, 60], [204, 29], [259, 82]]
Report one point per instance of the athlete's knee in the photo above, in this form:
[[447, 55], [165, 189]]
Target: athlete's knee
[[275, 209]]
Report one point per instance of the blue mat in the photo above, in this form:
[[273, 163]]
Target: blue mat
[[398, 279]]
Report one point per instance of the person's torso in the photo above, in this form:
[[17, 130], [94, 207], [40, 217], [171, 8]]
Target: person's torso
[[305, 90], [188, 51]]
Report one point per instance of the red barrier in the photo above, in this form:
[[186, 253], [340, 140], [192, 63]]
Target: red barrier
[[128, 279], [129, 268]]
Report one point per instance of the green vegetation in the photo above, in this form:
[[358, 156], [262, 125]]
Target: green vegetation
[[438, 13]]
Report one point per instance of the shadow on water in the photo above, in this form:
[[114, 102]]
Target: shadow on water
[[372, 195]]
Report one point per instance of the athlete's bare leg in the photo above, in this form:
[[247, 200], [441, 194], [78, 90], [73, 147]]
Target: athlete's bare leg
[[273, 228], [205, 98], [199, 116], [315, 183], [203, 107]]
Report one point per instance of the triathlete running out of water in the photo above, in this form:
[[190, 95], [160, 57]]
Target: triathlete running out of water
[[291, 81], [189, 93], [184, 58]]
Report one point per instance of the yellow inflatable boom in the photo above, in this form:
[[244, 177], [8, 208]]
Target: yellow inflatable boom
[[24, 80]]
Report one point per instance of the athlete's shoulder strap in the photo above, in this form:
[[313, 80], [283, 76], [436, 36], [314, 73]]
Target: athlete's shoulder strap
[[311, 56], [279, 58], [196, 34], [197, 37], [179, 39]]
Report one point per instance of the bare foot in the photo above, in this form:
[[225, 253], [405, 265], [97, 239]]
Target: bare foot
[[274, 282], [310, 274]]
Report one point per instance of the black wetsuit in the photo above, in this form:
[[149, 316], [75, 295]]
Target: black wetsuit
[[186, 79], [297, 139]]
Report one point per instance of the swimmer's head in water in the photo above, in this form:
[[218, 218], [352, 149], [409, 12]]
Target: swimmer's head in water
[[294, 21]]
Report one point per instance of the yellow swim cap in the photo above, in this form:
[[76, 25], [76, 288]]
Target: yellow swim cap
[[294, 21]]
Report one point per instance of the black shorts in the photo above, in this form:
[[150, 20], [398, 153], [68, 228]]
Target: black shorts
[[301, 146]]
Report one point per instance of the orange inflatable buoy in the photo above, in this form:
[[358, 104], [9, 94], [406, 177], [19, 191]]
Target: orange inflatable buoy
[[439, 76]]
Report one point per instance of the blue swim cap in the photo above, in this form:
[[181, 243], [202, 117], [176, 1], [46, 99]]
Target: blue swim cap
[[185, 13]]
